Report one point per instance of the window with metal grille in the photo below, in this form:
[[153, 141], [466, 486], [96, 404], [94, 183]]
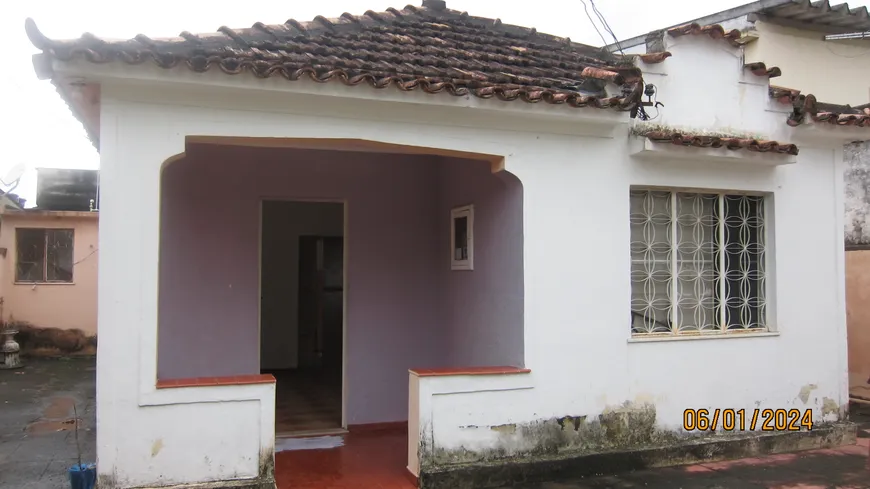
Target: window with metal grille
[[44, 255], [697, 263]]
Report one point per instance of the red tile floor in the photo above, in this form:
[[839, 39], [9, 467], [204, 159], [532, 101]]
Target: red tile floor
[[372, 460]]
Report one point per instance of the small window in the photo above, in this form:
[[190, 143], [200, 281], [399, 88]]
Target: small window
[[698, 263], [44, 255], [461, 234]]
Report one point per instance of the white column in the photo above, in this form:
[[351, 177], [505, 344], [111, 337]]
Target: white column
[[147, 436], [131, 154]]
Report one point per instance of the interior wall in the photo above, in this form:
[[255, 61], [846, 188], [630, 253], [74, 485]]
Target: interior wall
[[484, 306], [208, 297], [283, 223]]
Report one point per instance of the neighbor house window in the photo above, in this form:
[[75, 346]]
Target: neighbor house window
[[44, 255], [697, 262], [461, 238]]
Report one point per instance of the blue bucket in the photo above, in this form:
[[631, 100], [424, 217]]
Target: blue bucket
[[83, 476]]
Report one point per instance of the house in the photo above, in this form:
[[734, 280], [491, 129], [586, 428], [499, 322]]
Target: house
[[794, 35], [48, 263], [492, 236]]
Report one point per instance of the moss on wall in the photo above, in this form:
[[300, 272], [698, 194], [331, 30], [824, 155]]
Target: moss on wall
[[627, 427]]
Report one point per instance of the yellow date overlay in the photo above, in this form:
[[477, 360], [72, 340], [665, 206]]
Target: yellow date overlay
[[747, 419]]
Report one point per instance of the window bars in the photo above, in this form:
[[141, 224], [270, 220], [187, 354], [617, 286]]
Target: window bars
[[697, 263], [44, 255]]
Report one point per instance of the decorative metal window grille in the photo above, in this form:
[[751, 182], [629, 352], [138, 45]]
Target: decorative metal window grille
[[697, 262]]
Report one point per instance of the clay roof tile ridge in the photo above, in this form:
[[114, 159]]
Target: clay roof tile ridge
[[482, 53]]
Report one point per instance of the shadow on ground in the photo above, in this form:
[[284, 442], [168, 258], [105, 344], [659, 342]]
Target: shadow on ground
[[37, 438]]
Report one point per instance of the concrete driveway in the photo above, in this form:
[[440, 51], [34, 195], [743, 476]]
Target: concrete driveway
[[37, 440]]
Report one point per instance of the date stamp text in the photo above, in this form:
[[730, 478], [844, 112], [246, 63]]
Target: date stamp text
[[747, 419]]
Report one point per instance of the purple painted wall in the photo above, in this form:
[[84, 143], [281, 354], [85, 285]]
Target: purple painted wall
[[484, 306], [401, 295]]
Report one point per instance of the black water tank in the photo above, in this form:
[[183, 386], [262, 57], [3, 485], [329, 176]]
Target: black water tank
[[66, 190]]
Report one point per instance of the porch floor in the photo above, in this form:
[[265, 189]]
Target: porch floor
[[378, 461], [368, 460]]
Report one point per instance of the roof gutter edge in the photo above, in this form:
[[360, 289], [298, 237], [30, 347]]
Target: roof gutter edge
[[716, 18]]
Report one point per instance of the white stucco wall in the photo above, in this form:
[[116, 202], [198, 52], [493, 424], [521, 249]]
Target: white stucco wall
[[576, 170]]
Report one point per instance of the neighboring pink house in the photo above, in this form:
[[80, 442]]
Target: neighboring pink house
[[48, 275], [48, 259]]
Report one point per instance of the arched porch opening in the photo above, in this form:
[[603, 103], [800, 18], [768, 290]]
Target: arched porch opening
[[278, 256]]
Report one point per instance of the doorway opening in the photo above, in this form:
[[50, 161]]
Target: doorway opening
[[302, 313]]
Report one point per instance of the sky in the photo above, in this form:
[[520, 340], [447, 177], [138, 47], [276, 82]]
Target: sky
[[40, 131]]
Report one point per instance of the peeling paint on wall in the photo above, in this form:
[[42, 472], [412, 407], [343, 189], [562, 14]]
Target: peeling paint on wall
[[156, 447], [830, 406], [804, 394], [630, 425], [857, 196], [505, 428]]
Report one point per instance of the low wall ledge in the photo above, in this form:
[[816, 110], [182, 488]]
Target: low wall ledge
[[215, 381], [440, 372]]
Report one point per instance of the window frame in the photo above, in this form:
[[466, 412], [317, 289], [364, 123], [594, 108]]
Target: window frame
[[44, 280], [466, 211], [767, 235]]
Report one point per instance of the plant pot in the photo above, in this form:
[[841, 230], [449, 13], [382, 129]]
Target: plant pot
[[83, 476], [10, 349]]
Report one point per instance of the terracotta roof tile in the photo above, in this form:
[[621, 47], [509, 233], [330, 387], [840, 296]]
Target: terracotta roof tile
[[760, 69], [429, 48], [807, 105], [715, 31], [701, 141], [784, 95], [733, 37], [844, 119], [652, 58]]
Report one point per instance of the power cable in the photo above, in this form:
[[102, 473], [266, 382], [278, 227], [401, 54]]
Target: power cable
[[593, 22], [606, 26]]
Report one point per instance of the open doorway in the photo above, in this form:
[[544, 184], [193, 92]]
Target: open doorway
[[302, 311]]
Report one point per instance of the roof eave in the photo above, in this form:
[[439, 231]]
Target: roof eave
[[90, 125], [43, 66], [716, 18], [44, 213], [770, 11]]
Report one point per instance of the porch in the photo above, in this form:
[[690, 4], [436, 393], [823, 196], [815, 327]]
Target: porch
[[335, 270]]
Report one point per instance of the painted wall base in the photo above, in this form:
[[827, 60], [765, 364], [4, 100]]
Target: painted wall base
[[567, 466], [258, 483]]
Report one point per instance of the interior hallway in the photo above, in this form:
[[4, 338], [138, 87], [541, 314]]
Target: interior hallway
[[307, 400]]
